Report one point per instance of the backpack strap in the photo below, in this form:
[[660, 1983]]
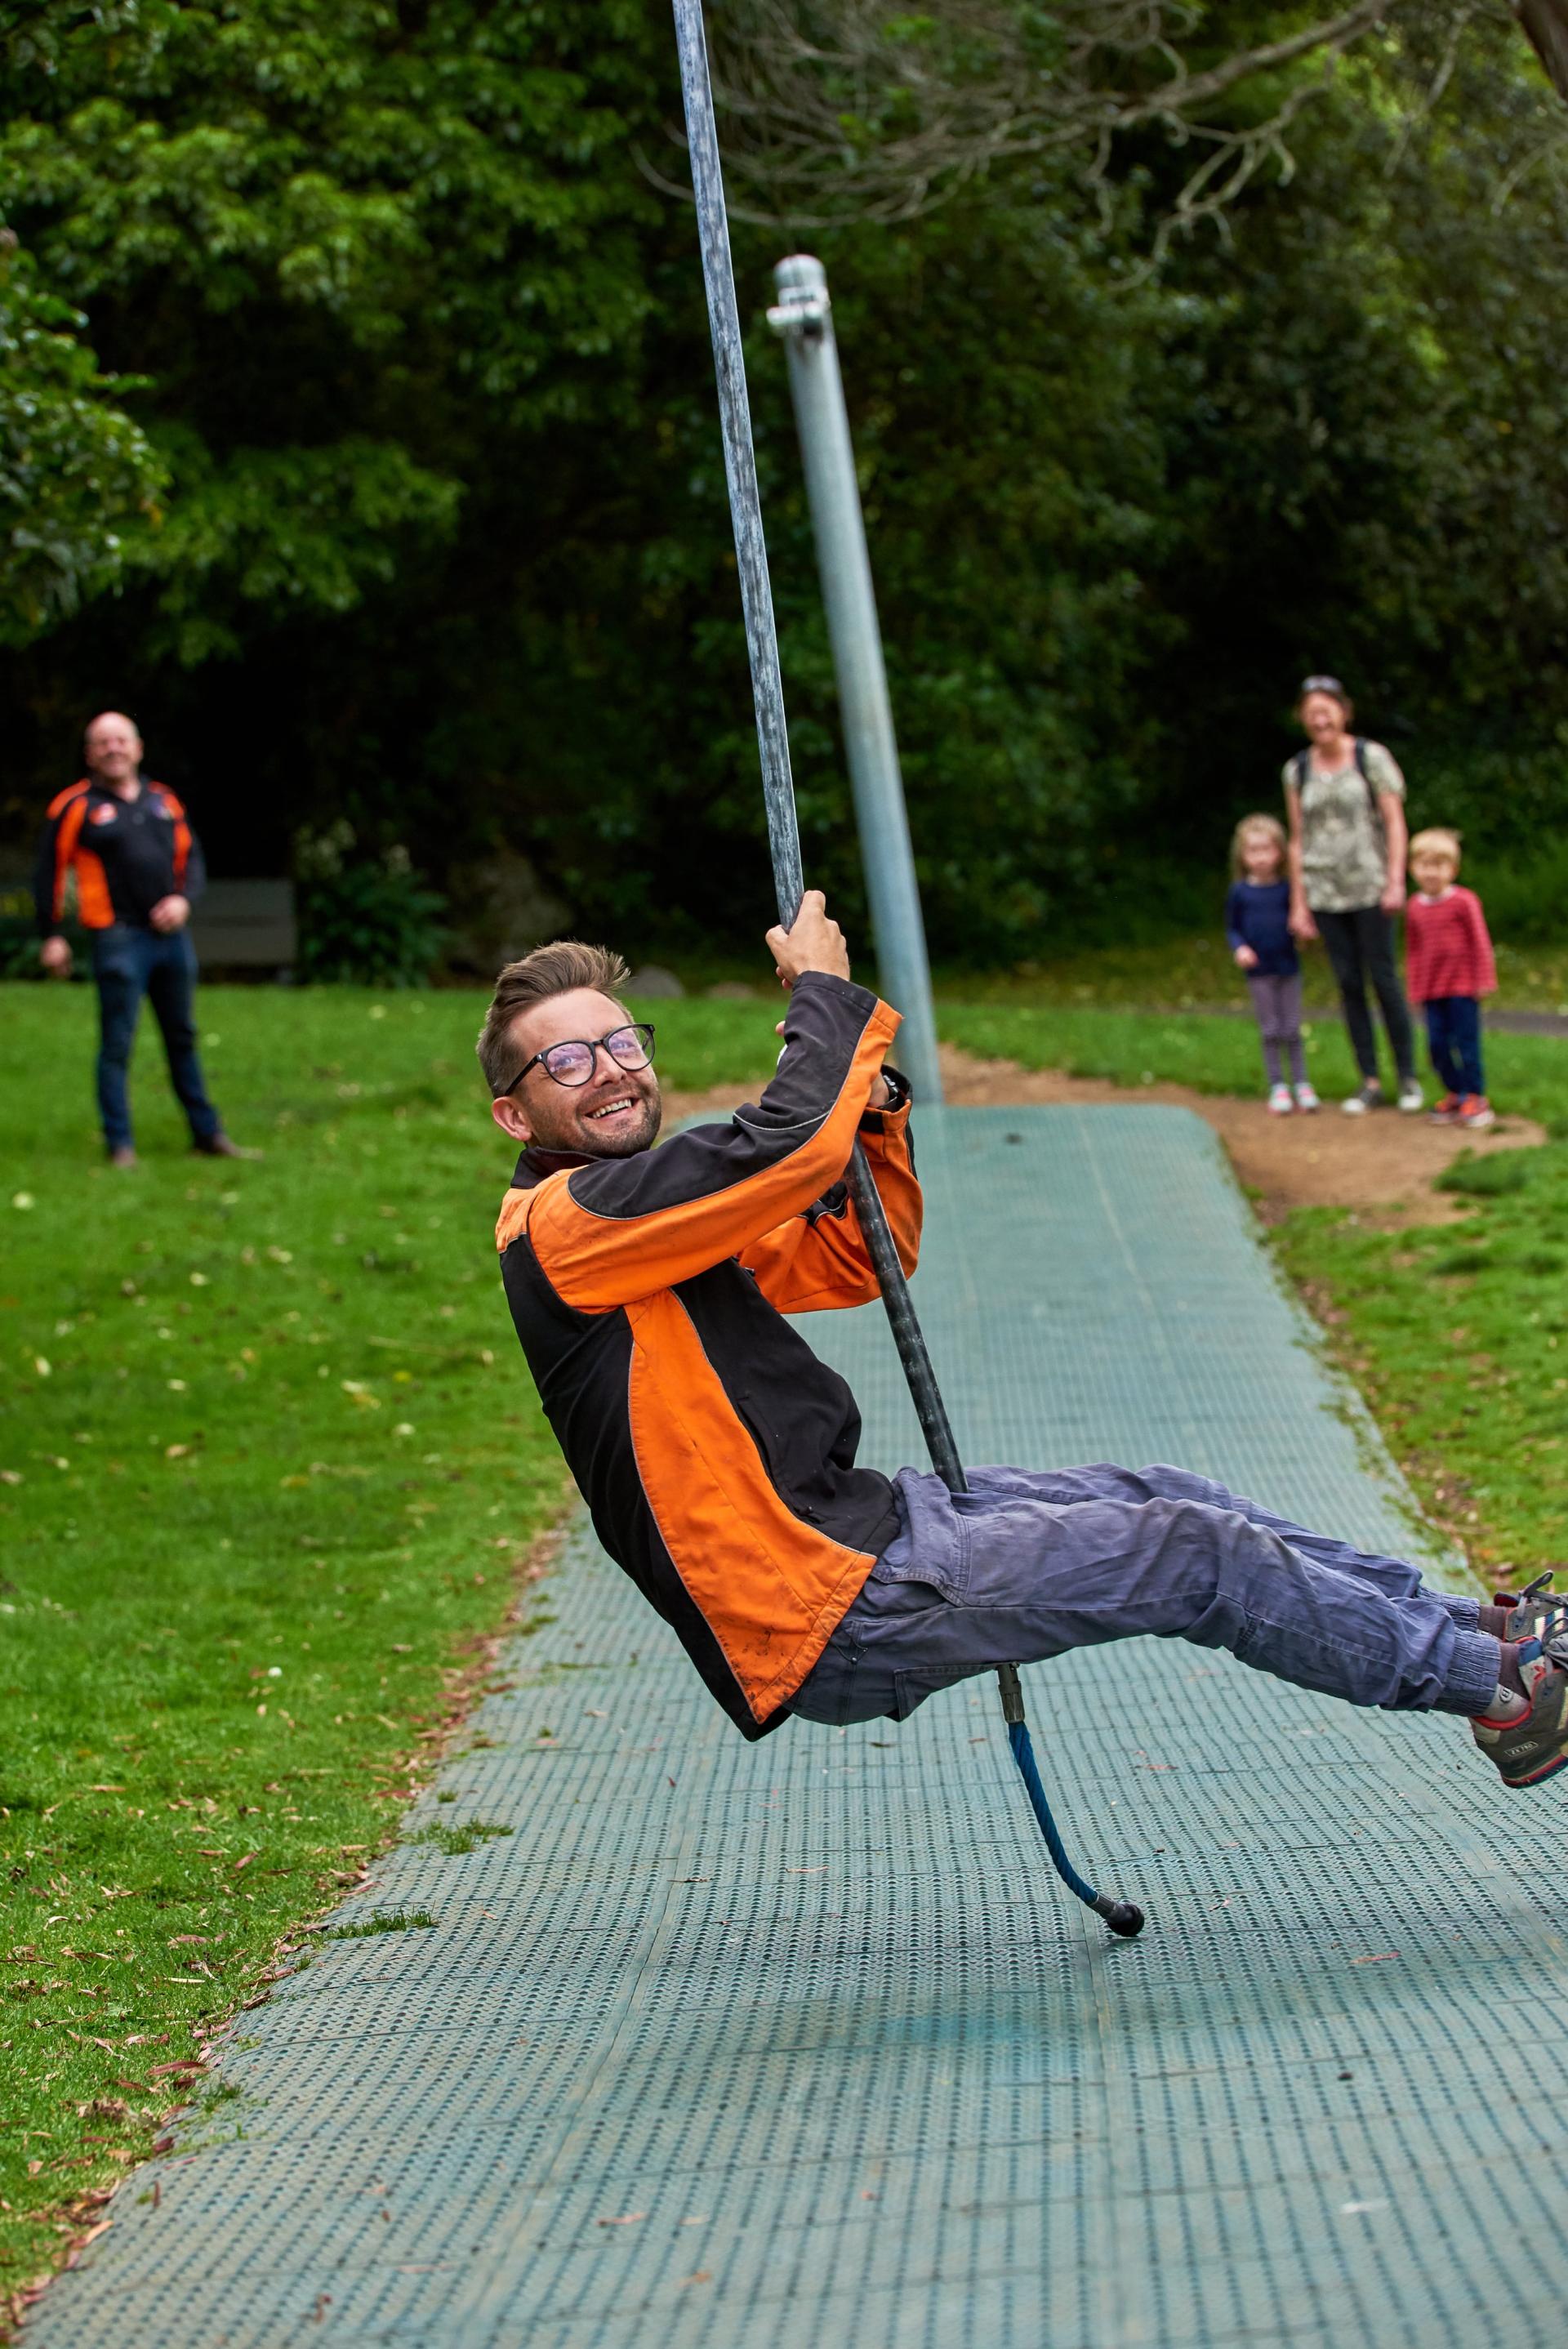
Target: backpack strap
[[1302, 764], [1361, 769]]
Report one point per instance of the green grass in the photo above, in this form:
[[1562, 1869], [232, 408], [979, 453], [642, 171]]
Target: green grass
[[271, 1468]]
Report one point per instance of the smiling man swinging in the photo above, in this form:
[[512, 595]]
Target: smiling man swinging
[[717, 1453]]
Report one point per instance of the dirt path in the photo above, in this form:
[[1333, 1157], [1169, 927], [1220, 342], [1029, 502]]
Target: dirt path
[[1383, 1164]]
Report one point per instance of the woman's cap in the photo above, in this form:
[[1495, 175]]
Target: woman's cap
[[1323, 685]]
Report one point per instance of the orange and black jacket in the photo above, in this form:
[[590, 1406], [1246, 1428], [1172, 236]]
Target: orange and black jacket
[[125, 854], [715, 1453]]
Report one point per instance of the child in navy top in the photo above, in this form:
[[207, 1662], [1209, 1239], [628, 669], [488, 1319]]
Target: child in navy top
[[1257, 930]]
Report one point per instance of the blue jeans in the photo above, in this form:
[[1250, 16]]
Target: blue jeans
[[1453, 1039], [128, 963], [1026, 1566]]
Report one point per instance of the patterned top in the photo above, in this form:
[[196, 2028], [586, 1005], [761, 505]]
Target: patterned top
[[1344, 855]]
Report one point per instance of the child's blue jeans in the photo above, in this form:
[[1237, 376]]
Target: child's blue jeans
[[1453, 1039], [1029, 1565]]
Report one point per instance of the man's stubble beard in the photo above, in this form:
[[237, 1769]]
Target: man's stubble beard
[[632, 1145]]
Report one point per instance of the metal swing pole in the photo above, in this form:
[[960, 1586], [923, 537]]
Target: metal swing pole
[[784, 840]]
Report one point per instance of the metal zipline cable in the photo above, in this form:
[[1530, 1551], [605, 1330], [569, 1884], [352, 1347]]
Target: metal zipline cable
[[784, 842]]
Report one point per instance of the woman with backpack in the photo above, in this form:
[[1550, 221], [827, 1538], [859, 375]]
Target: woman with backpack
[[1345, 799]]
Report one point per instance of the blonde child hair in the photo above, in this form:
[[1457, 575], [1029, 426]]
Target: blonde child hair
[[1271, 826], [1437, 841]]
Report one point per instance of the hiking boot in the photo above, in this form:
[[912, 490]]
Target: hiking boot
[[1443, 1113], [1476, 1113], [1306, 1098], [1533, 1613], [1280, 1101], [1534, 1746], [1412, 1097], [1371, 1096]]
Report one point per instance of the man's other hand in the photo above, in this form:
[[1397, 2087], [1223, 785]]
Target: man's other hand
[[55, 954], [170, 913], [813, 942]]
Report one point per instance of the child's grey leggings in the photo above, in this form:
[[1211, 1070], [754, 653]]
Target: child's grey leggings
[[1277, 1003]]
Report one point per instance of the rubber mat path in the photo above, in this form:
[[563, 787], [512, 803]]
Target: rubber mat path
[[802, 2044]]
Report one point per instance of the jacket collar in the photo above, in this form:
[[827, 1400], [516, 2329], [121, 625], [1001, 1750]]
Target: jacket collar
[[536, 1164]]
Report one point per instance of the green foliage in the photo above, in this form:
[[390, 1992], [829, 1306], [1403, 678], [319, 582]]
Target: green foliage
[[364, 920], [457, 1842], [76, 475], [444, 551]]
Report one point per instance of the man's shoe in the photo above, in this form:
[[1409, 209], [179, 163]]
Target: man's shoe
[[124, 1156], [1306, 1096], [221, 1146], [1476, 1113], [1411, 1098], [1280, 1101], [1536, 1611], [1370, 1096], [1534, 1746], [1443, 1113]]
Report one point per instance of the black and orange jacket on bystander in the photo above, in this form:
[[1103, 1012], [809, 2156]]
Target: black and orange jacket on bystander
[[126, 855], [715, 1453]]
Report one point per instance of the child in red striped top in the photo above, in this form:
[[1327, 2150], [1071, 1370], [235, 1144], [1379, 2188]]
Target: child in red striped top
[[1450, 967]]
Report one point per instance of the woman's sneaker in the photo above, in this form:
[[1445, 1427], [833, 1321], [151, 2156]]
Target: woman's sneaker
[[1370, 1096], [1306, 1098], [1535, 1744], [1445, 1112], [1280, 1101], [1412, 1097], [1476, 1113]]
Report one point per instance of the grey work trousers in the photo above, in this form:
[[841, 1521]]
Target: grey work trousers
[[1029, 1565]]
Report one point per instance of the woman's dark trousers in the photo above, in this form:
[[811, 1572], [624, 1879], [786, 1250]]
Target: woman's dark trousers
[[127, 964], [1361, 948]]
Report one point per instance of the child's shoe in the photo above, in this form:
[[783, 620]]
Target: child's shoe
[[1476, 1112], [1412, 1097], [1445, 1112], [1306, 1098], [1280, 1101], [1533, 1745], [1369, 1097]]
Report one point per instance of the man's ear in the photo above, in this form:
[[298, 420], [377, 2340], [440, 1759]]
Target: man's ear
[[512, 1118]]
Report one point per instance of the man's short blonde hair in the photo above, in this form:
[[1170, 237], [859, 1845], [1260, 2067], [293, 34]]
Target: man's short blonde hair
[[558, 969], [1435, 841]]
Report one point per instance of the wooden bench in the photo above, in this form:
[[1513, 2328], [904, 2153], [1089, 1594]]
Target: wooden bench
[[247, 926]]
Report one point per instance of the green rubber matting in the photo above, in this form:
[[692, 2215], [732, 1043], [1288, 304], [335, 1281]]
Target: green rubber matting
[[803, 2044]]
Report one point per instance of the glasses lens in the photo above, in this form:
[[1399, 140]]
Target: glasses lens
[[630, 1047], [570, 1064]]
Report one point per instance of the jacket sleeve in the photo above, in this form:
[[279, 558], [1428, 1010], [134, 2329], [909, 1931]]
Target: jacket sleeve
[[56, 846], [189, 864], [625, 1227], [819, 1260], [1235, 935], [1485, 960]]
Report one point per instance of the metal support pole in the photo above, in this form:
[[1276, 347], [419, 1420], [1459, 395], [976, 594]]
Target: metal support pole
[[804, 319], [783, 832]]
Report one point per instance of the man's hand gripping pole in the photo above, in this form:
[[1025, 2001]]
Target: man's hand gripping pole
[[784, 842]]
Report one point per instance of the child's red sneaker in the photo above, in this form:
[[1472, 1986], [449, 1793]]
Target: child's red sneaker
[[1476, 1112], [1445, 1112]]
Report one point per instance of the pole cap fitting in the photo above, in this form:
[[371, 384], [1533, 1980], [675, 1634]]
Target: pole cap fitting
[[803, 307]]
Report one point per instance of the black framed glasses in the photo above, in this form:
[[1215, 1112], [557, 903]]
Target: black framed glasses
[[574, 1062]]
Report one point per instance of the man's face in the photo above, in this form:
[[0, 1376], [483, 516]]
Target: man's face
[[112, 747], [613, 1115]]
